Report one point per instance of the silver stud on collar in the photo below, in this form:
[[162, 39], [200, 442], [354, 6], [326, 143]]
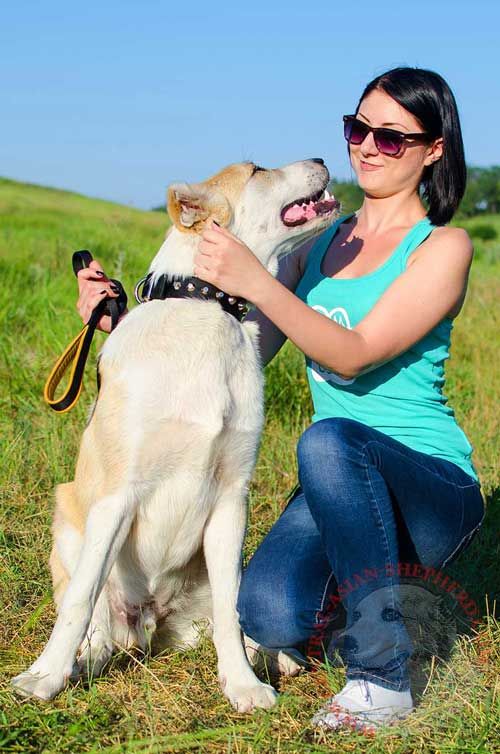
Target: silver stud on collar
[[241, 306], [177, 285], [204, 290], [219, 294], [231, 300], [190, 287]]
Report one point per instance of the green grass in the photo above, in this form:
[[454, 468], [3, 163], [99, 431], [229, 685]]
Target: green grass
[[172, 702]]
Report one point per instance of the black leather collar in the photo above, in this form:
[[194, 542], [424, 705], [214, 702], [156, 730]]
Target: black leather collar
[[192, 287]]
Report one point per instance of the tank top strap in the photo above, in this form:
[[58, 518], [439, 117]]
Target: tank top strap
[[414, 238], [323, 241]]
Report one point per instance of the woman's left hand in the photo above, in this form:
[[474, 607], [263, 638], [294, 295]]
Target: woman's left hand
[[227, 263]]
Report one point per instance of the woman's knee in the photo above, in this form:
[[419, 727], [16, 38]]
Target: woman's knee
[[329, 443], [331, 453]]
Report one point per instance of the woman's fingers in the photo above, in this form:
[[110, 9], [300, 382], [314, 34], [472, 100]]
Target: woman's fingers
[[90, 288], [91, 296], [211, 236], [214, 233], [93, 279], [206, 248], [94, 286], [221, 230], [93, 272]]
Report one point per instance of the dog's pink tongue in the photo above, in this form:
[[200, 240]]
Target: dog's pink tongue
[[299, 212]]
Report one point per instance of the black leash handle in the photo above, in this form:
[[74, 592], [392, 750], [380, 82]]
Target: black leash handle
[[80, 260], [75, 355]]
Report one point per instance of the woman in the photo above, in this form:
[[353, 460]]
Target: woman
[[385, 472]]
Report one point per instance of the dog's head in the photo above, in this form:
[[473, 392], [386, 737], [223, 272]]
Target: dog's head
[[270, 210]]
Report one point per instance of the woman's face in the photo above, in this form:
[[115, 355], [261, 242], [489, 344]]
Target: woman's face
[[381, 175]]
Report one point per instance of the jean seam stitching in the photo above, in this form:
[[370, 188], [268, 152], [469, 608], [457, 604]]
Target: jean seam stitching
[[388, 554], [384, 681], [381, 520], [421, 466], [467, 538], [322, 603]]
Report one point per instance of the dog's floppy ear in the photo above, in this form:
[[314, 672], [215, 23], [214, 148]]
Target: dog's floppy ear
[[191, 205]]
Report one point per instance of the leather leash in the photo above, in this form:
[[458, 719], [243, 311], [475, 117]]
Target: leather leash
[[147, 289], [75, 355]]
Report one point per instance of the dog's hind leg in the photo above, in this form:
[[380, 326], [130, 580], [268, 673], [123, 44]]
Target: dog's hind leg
[[190, 615], [107, 527], [273, 661]]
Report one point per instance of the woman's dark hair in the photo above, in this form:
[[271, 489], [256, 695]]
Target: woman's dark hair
[[427, 96]]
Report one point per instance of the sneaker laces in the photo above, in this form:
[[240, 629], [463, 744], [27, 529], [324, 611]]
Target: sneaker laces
[[367, 694]]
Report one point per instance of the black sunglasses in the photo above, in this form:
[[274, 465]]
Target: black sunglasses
[[387, 140]]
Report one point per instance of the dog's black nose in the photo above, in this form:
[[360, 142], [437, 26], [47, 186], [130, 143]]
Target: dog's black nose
[[318, 160]]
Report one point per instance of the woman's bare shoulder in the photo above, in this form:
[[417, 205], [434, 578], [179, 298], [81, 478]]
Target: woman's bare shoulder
[[448, 240], [452, 234]]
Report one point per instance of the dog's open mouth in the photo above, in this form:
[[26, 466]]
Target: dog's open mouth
[[302, 210]]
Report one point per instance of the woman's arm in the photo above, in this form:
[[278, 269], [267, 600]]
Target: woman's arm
[[417, 300], [290, 271]]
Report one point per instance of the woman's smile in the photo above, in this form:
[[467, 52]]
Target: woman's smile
[[368, 166]]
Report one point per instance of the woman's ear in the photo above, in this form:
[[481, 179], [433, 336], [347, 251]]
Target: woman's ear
[[191, 205], [435, 151]]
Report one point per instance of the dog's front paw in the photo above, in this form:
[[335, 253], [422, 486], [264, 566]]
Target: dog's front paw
[[246, 698], [39, 682]]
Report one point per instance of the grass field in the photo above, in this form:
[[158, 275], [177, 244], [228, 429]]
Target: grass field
[[172, 703]]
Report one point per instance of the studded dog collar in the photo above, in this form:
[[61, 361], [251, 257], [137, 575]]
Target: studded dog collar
[[192, 287]]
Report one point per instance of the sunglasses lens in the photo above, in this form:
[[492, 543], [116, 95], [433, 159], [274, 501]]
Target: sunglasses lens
[[388, 143], [354, 131]]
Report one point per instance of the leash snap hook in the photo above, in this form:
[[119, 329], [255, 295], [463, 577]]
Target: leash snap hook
[[137, 291]]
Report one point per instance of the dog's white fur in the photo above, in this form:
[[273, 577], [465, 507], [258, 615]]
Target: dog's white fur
[[147, 540]]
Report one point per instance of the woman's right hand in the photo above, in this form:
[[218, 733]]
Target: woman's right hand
[[93, 287]]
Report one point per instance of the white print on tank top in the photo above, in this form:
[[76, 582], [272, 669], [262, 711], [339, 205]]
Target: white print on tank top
[[319, 373]]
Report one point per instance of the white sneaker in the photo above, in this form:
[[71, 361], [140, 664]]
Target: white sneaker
[[363, 705]]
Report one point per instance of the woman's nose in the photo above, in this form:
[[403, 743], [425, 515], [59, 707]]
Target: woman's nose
[[368, 145]]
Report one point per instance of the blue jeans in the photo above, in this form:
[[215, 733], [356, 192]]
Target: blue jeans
[[365, 502]]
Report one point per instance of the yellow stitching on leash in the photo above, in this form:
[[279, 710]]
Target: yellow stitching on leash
[[68, 357]]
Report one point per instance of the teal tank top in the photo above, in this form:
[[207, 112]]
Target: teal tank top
[[402, 398]]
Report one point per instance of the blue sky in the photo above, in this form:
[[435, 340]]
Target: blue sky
[[118, 99]]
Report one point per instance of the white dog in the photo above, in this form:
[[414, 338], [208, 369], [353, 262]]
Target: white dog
[[147, 540]]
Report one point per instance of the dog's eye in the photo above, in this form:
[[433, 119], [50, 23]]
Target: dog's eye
[[256, 168]]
